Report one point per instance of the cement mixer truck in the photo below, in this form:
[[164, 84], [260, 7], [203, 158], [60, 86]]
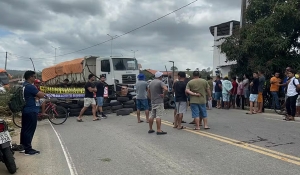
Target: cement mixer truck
[[118, 71]]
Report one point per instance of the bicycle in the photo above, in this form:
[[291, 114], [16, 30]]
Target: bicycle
[[282, 109], [57, 115]]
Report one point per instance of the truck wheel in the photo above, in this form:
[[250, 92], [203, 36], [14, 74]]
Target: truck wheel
[[106, 108], [106, 105], [75, 110], [123, 99], [74, 114], [80, 103], [130, 102], [74, 106], [171, 103], [9, 160], [129, 109]]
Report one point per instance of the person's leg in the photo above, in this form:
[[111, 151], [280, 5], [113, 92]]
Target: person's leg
[[146, 107], [195, 114], [293, 107], [86, 104], [151, 119], [159, 114], [138, 110], [251, 99], [238, 101], [203, 115], [259, 102], [181, 111], [30, 123], [94, 111], [288, 107], [176, 114]]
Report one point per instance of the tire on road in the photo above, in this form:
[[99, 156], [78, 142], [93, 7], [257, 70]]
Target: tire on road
[[129, 106], [75, 110], [107, 108], [115, 103], [9, 160], [130, 102], [123, 112], [74, 114], [80, 103], [88, 112], [129, 109], [106, 104], [114, 108], [123, 99], [74, 106]]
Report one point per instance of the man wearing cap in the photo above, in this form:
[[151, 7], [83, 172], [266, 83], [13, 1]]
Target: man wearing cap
[[156, 92], [141, 98]]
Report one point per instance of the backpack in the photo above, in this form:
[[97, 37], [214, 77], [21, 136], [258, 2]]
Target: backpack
[[297, 89], [17, 100]]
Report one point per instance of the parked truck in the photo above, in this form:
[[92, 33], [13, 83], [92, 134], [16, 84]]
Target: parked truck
[[119, 71]]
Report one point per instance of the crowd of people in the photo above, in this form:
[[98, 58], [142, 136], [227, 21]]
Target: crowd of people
[[198, 93]]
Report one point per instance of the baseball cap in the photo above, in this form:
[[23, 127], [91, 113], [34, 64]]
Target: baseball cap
[[158, 74], [141, 76], [297, 75]]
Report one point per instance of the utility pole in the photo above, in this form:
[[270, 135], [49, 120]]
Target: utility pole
[[111, 41], [5, 60], [55, 53], [134, 52]]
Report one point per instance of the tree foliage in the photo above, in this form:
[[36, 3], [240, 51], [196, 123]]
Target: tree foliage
[[269, 40]]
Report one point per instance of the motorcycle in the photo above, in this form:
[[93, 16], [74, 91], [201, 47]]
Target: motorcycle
[[6, 152]]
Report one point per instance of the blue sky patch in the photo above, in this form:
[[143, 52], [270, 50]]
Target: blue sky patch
[[4, 32]]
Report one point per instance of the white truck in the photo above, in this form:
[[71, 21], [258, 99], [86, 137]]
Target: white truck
[[117, 70]]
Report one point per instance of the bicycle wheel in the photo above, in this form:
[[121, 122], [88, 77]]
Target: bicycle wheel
[[17, 119], [58, 115]]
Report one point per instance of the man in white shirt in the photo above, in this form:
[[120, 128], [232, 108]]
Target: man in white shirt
[[292, 95]]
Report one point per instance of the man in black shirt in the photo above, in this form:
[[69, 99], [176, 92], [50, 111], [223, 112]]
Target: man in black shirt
[[181, 99], [89, 100], [99, 95], [254, 93]]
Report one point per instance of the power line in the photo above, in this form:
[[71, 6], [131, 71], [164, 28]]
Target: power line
[[121, 34]]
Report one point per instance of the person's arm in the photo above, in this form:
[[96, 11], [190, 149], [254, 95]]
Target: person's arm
[[34, 91], [246, 83], [165, 89], [89, 87], [208, 91], [189, 92], [296, 81], [148, 92], [273, 81]]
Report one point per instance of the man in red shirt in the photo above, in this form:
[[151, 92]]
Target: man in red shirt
[[233, 91]]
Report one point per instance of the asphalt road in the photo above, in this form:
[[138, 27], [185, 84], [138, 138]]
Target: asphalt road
[[236, 144]]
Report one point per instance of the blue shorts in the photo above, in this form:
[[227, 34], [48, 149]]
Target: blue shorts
[[198, 110], [142, 104], [226, 97], [218, 95], [100, 101], [253, 97]]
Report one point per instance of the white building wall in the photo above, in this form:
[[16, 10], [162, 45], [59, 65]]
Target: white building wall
[[220, 58]]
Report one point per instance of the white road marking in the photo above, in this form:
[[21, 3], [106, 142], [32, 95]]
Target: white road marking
[[70, 163]]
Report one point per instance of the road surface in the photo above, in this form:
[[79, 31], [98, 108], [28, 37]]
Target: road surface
[[236, 144]]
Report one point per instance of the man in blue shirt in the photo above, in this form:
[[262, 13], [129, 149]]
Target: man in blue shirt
[[30, 112]]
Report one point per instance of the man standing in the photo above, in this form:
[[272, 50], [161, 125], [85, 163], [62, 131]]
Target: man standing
[[261, 86], [30, 112], [89, 99], [197, 89], [211, 86], [100, 95], [226, 88], [233, 91], [254, 93], [218, 91], [181, 99], [274, 89], [246, 84], [141, 98], [156, 92]]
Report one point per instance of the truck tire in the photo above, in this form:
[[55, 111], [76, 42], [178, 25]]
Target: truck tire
[[171, 104], [130, 102], [74, 106], [129, 106], [106, 104], [88, 112], [129, 109], [117, 107], [9, 160], [74, 110], [80, 103], [123, 99], [106, 108], [123, 112], [115, 103], [74, 114]]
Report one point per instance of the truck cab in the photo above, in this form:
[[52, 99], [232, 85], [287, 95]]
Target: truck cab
[[117, 70]]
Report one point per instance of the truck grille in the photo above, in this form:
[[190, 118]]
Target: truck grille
[[129, 79]]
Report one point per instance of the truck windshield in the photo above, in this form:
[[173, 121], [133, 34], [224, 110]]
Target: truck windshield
[[125, 64], [4, 78]]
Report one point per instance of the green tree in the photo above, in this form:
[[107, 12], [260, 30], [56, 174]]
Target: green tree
[[174, 68], [269, 40]]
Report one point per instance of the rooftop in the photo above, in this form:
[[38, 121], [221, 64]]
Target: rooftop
[[223, 29]]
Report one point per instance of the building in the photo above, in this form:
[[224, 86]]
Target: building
[[220, 65]]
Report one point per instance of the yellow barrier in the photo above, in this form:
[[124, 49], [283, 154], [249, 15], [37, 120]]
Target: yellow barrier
[[59, 90]]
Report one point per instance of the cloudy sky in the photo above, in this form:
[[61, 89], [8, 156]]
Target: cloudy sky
[[31, 28]]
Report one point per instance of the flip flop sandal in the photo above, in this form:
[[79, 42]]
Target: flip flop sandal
[[183, 121], [196, 129], [79, 120], [182, 127], [96, 119], [192, 123], [207, 128], [141, 121], [249, 113]]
